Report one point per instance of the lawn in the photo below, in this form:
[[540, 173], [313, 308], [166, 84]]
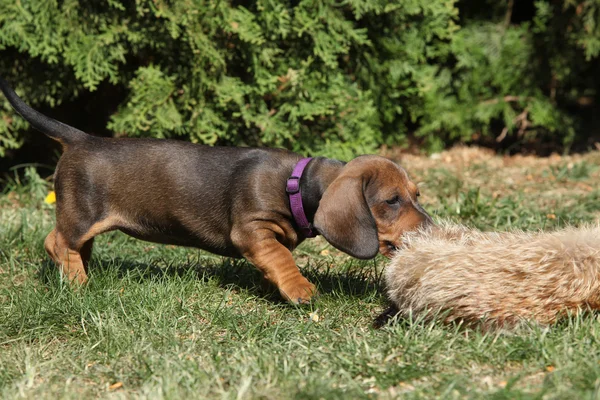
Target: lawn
[[167, 322]]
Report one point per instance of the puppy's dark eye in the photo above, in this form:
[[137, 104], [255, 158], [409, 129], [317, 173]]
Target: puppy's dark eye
[[418, 193], [394, 200]]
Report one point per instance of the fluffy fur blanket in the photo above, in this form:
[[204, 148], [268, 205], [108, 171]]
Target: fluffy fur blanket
[[496, 279]]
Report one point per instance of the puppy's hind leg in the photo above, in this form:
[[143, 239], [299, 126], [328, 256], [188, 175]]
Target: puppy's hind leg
[[82, 212], [72, 252], [72, 260]]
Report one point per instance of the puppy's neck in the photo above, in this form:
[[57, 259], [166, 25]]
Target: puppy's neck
[[316, 178]]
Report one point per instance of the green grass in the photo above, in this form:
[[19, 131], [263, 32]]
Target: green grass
[[169, 322]]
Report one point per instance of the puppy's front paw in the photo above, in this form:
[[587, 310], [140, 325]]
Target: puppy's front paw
[[300, 291]]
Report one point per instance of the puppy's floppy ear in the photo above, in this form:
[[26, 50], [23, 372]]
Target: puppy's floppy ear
[[345, 220]]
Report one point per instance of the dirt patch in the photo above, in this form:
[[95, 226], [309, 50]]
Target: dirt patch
[[498, 175]]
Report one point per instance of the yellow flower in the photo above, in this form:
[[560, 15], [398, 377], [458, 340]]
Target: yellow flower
[[51, 198], [314, 316]]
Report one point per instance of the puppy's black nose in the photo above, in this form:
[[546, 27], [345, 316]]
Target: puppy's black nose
[[391, 246]]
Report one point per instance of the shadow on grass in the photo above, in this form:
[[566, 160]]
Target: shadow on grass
[[355, 279]]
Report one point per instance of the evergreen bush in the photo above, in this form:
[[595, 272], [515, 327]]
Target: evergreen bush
[[316, 76], [530, 72]]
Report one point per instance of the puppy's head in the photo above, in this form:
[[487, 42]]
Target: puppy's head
[[368, 207]]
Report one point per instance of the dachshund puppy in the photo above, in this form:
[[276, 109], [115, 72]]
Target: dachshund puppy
[[227, 200]]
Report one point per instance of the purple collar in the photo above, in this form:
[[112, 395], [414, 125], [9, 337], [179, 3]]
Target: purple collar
[[293, 190]]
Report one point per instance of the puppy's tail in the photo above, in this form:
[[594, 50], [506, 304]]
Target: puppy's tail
[[63, 133]]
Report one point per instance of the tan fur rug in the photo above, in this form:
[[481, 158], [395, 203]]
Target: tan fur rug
[[496, 279]]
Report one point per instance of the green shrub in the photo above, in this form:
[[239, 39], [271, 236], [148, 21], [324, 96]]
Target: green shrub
[[258, 73], [525, 79], [329, 77]]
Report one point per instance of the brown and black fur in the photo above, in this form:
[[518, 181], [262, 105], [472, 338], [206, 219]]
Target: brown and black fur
[[227, 200]]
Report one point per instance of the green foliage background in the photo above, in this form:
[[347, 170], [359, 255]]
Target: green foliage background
[[316, 76]]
